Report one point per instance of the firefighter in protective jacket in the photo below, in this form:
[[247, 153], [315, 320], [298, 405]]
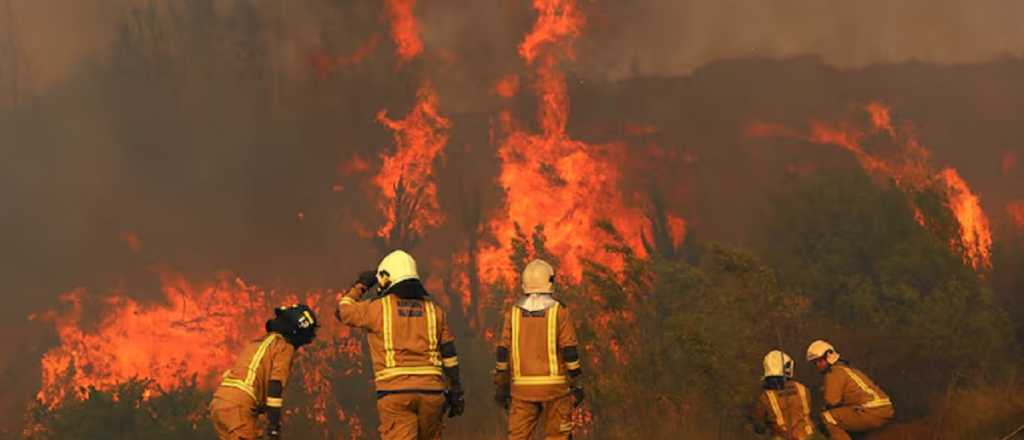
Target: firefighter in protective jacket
[[255, 383], [785, 405], [853, 403], [416, 370], [538, 362]]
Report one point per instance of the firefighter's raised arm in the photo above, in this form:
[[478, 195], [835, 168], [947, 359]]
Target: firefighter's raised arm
[[353, 312]]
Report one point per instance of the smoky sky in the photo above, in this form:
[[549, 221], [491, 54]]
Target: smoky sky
[[623, 38]]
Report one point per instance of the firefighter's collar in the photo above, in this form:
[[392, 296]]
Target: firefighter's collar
[[536, 302]]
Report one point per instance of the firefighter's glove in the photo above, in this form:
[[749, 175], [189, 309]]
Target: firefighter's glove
[[577, 395], [367, 278], [273, 433], [456, 402]]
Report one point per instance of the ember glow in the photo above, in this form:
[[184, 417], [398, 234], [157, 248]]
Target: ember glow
[[405, 31], [1016, 211], [895, 153]]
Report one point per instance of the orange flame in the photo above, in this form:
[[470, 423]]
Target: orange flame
[[132, 240], [549, 179], [1009, 163], [406, 176], [404, 28], [909, 166], [195, 331], [974, 228]]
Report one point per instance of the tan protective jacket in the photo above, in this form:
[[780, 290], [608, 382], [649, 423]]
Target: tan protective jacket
[[405, 336], [786, 411], [848, 386], [260, 362], [535, 341]]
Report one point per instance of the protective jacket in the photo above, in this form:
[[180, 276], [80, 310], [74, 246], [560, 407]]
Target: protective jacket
[[854, 402], [246, 387], [538, 346], [410, 344], [785, 411]]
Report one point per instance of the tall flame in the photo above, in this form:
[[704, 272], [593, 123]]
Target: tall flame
[[405, 180], [909, 166], [549, 179]]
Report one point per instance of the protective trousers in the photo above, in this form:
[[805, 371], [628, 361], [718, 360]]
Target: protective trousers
[[840, 421], [233, 421], [411, 416], [523, 417]]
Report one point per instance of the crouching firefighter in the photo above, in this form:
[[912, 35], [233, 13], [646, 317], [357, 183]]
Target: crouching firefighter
[[785, 405], [416, 370], [538, 362], [853, 403], [255, 384]]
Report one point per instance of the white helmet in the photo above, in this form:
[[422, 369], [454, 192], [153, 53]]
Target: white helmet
[[821, 348], [538, 277], [777, 363], [398, 266]]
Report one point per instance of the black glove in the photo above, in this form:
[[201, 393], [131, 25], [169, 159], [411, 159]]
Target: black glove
[[577, 394], [455, 402], [273, 433], [368, 279], [502, 397]]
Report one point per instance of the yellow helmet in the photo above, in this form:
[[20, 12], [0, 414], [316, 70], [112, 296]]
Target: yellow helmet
[[777, 363], [538, 277], [821, 348], [398, 266]]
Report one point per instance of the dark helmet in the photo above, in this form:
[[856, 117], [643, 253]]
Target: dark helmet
[[297, 323]]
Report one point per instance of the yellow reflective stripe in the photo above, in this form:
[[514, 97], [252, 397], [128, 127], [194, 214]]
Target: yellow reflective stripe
[[235, 383], [346, 301], [776, 409], [574, 365], [803, 399], [877, 403], [538, 380], [501, 366], [827, 416], [275, 402], [431, 315], [516, 370], [553, 340], [389, 345], [450, 362], [254, 363], [875, 400], [388, 373]]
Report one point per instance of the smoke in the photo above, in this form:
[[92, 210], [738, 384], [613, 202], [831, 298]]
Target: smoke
[[633, 37]]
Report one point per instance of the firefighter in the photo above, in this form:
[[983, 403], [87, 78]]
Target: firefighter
[[415, 366], [853, 403], [256, 382], [538, 362], [785, 404]]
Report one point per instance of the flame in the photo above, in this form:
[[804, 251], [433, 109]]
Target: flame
[[405, 180], [404, 28], [898, 155], [1016, 211], [196, 330], [552, 180], [974, 229], [324, 64]]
